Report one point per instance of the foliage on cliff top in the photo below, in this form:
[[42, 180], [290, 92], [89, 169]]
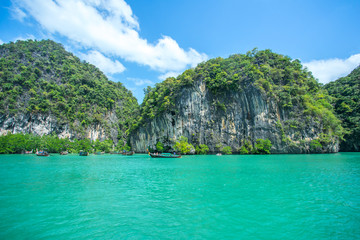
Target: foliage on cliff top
[[275, 75], [346, 93], [40, 77]]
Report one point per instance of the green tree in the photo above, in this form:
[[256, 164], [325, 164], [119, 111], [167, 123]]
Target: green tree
[[160, 147], [183, 146], [262, 146], [315, 146], [243, 150], [226, 150], [202, 149]]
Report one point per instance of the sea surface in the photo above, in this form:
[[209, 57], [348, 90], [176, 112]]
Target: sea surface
[[195, 197]]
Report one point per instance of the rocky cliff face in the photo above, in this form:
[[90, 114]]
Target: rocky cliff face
[[46, 90], [46, 124], [242, 115]]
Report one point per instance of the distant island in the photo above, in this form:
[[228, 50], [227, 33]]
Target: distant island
[[255, 103]]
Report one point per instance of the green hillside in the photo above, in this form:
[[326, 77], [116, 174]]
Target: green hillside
[[40, 77], [346, 93], [278, 77]]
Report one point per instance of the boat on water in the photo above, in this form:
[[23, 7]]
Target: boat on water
[[164, 155], [115, 152], [42, 153], [128, 153], [29, 152], [64, 153], [99, 153], [83, 153]]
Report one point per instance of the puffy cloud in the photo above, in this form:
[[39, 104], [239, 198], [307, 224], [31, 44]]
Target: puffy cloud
[[105, 64], [110, 27], [1, 42], [332, 69], [140, 82], [169, 74], [18, 14]]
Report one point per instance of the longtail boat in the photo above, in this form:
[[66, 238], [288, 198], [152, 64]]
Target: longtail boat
[[128, 153], [83, 153], [164, 155], [42, 153]]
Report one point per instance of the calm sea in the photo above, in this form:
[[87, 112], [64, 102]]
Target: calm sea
[[194, 197]]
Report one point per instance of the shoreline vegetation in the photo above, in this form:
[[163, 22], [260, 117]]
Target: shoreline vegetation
[[44, 86], [19, 143]]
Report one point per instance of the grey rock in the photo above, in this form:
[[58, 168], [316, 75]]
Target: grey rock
[[249, 115]]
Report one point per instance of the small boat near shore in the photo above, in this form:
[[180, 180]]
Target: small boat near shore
[[128, 153], [164, 155], [83, 153], [64, 153], [99, 153], [42, 153], [115, 152]]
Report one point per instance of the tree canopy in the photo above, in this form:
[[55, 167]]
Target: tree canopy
[[40, 77], [278, 77], [346, 93]]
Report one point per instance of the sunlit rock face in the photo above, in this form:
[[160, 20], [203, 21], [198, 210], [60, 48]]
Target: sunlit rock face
[[241, 116], [44, 124]]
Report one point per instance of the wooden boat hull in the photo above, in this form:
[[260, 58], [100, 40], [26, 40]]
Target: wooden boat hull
[[84, 154], [128, 153], [45, 154], [164, 156]]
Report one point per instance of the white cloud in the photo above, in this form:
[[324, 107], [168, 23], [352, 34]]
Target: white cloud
[[110, 27], [332, 69], [18, 14], [140, 82], [1, 42], [105, 64], [169, 74]]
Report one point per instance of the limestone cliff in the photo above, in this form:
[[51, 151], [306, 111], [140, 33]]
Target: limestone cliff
[[48, 124], [231, 116], [46, 90]]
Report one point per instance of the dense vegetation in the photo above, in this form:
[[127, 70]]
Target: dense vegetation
[[182, 146], [19, 143], [40, 77], [278, 77], [346, 93]]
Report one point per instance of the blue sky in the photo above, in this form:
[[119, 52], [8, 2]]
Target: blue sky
[[141, 42]]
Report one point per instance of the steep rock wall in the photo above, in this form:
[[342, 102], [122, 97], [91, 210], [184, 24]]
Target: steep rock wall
[[45, 124], [246, 115]]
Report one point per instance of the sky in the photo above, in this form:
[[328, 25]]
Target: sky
[[140, 42]]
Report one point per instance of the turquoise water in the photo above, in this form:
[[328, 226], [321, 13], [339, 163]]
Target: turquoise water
[[194, 197]]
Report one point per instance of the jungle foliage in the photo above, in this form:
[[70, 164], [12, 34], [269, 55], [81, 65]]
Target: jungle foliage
[[183, 146], [40, 77], [19, 143], [202, 149], [276, 76], [346, 93]]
